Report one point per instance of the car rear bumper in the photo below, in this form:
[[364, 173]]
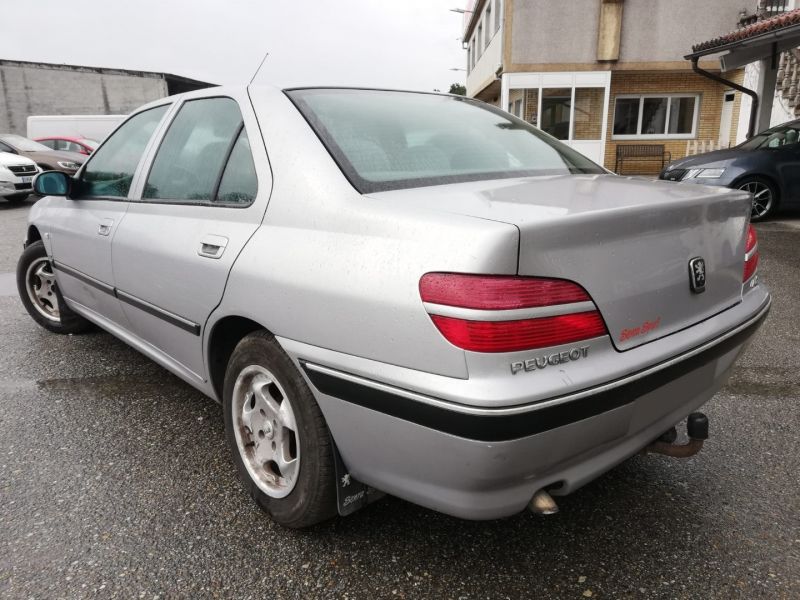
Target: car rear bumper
[[483, 463]]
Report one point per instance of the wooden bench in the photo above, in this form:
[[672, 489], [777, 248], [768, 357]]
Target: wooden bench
[[641, 152]]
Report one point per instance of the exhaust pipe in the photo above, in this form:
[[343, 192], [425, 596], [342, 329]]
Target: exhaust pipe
[[696, 428], [542, 503]]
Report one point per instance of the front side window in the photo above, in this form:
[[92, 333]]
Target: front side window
[[49, 143], [385, 140], [189, 164], [109, 172], [655, 116]]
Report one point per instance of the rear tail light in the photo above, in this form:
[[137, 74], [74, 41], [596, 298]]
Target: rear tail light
[[750, 254], [494, 313]]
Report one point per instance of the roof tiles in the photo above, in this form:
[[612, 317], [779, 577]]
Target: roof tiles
[[750, 31]]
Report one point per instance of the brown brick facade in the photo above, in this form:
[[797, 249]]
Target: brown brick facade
[[655, 82]]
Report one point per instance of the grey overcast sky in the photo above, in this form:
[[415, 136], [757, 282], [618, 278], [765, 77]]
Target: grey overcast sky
[[384, 43]]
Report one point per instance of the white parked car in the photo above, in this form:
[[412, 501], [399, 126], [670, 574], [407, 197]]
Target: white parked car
[[16, 175]]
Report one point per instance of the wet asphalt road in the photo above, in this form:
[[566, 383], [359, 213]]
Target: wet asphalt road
[[115, 482]]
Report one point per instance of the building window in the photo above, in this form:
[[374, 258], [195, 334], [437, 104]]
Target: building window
[[474, 58], [656, 116], [478, 39], [497, 11], [488, 17], [469, 58]]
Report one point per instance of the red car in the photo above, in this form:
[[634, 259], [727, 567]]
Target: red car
[[70, 144]]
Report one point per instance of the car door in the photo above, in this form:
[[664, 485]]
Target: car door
[[204, 196], [786, 157], [83, 225]]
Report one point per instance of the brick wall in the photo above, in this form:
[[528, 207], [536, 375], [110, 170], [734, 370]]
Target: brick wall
[[531, 106], [654, 82], [588, 114]]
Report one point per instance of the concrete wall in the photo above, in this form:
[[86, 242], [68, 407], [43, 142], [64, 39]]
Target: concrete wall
[[665, 30], [563, 34], [547, 31], [32, 90]]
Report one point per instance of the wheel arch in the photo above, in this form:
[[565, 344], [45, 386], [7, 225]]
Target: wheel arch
[[33, 235], [225, 334]]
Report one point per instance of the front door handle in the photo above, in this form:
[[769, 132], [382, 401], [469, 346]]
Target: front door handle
[[212, 246], [104, 228]]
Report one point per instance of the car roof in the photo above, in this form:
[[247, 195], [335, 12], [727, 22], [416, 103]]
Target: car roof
[[222, 90]]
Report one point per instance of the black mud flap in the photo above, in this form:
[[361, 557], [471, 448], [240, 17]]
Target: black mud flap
[[351, 494]]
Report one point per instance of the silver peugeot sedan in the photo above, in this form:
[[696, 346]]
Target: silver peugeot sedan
[[396, 292]]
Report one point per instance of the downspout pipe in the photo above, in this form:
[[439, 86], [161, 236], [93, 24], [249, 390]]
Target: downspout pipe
[[751, 128]]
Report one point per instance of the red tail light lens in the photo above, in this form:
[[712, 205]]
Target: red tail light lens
[[750, 254], [497, 292], [486, 297], [527, 334]]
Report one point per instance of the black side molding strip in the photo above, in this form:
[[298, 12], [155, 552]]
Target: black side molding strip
[[151, 309], [504, 427], [162, 314], [95, 283]]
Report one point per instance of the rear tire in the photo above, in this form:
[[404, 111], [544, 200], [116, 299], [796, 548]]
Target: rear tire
[[38, 290], [280, 443], [765, 197]]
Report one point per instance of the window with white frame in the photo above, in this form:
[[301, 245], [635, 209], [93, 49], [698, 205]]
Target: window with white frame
[[479, 40], [656, 116], [488, 20], [497, 7], [472, 45]]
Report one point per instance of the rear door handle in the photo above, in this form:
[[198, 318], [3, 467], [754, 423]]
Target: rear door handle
[[212, 246], [104, 228]]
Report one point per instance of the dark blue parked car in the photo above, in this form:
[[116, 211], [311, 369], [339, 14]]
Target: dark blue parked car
[[767, 165]]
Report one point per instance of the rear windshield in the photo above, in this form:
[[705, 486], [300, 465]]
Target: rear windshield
[[384, 140]]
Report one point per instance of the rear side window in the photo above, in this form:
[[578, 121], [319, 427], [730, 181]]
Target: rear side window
[[385, 140], [109, 172], [190, 166], [239, 184]]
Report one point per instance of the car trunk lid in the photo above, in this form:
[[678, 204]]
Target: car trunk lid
[[628, 242]]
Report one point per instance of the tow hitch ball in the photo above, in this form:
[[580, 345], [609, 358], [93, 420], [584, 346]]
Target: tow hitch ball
[[542, 503], [696, 428]]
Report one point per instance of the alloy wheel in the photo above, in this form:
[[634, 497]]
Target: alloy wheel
[[40, 283], [762, 198], [266, 431]]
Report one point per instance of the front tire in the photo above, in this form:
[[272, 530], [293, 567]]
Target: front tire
[[765, 197], [280, 443], [17, 198], [38, 290]]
